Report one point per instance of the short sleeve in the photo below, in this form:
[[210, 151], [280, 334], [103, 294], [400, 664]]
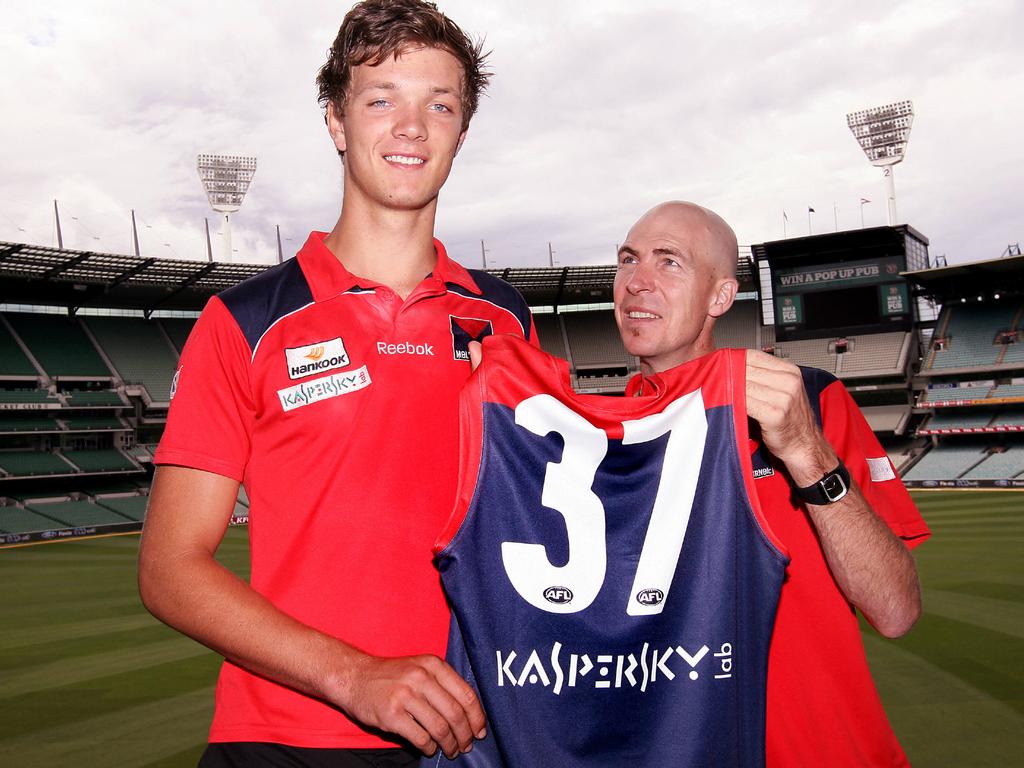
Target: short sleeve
[[851, 437], [210, 420]]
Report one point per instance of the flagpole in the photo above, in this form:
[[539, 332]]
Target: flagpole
[[809, 212], [835, 214], [784, 220]]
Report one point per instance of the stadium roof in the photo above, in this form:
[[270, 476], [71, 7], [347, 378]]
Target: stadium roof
[[962, 281], [34, 274]]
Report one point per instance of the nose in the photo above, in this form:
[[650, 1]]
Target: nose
[[409, 124], [640, 278]]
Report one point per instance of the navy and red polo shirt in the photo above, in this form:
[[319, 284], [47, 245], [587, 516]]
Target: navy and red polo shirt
[[335, 402]]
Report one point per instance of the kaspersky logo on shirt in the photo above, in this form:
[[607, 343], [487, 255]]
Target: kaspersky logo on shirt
[[316, 358]]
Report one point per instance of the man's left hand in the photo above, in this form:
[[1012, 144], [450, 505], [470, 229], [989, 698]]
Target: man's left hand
[[777, 401]]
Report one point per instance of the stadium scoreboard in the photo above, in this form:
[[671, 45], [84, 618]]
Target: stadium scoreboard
[[837, 284]]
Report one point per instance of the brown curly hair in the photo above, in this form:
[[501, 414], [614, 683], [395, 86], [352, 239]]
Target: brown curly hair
[[376, 29]]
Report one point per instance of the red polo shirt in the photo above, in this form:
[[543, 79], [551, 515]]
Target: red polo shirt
[[335, 402]]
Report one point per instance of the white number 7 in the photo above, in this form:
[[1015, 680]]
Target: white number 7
[[568, 489]]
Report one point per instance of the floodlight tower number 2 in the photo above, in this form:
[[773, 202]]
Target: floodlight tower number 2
[[226, 179], [883, 133]]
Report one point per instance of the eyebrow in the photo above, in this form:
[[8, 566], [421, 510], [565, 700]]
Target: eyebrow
[[387, 85]]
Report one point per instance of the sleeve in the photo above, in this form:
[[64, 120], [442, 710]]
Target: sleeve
[[851, 437], [211, 415]]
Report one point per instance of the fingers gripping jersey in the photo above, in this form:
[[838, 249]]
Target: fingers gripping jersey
[[613, 589]]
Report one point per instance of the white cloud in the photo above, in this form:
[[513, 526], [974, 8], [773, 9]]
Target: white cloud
[[598, 110]]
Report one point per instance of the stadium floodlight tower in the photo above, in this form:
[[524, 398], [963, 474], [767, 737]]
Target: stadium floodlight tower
[[883, 133], [226, 179]]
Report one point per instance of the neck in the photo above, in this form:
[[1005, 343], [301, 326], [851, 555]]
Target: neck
[[660, 363], [391, 247]]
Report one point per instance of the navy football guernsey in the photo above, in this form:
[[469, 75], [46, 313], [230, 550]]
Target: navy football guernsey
[[613, 587]]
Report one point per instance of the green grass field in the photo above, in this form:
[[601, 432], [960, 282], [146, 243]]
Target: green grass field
[[89, 679]]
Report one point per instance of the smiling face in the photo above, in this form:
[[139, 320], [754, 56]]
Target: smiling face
[[676, 274], [400, 130]]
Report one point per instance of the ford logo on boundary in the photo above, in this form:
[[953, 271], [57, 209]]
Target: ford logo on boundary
[[558, 595]]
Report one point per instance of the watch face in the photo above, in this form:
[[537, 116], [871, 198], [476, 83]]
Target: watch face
[[834, 487]]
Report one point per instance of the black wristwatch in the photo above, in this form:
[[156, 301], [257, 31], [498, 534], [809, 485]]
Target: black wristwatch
[[830, 489]]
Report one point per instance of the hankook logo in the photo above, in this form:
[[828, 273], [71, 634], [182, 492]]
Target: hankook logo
[[558, 595], [318, 357]]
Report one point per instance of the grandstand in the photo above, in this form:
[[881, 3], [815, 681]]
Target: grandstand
[[88, 353]]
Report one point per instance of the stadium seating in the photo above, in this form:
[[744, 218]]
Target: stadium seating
[[17, 520], [971, 419], [132, 507], [177, 329], [999, 466], [140, 352], [11, 422], [78, 513], [82, 398], [594, 340], [738, 326], [876, 353], [810, 352], [970, 331], [13, 361], [93, 423], [1007, 391], [18, 396], [60, 345], [29, 463], [951, 394], [549, 333], [102, 460], [946, 462], [1010, 419], [886, 418]]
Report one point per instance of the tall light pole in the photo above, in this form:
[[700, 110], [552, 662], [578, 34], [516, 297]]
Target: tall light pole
[[883, 133], [226, 179]]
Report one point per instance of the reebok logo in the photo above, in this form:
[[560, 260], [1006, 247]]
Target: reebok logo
[[316, 358], [405, 348]]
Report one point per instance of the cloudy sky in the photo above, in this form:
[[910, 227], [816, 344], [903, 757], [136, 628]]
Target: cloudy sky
[[598, 110]]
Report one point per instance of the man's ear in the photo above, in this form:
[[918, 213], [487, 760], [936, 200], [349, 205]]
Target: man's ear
[[723, 297], [462, 138], [335, 127]]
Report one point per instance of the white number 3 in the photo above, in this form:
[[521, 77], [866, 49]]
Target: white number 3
[[568, 490]]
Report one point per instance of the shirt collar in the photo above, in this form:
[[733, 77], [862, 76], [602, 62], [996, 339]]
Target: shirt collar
[[328, 277]]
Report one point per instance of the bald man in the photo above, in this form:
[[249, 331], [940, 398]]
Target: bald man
[[825, 485]]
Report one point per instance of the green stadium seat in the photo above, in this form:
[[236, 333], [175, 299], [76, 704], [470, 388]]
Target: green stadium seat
[[79, 398], [15, 520], [140, 352], [133, 507], [93, 423], [79, 513], [27, 396], [178, 329], [30, 463], [11, 422], [13, 361], [102, 460], [59, 344]]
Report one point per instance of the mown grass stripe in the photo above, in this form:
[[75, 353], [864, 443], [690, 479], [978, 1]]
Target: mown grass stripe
[[29, 636], [129, 738], [941, 719], [986, 612], [79, 669]]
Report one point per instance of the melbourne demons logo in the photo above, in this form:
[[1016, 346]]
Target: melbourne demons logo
[[465, 330]]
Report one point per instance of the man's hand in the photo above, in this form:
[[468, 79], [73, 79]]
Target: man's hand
[[776, 400], [476, 354], [420, 698]]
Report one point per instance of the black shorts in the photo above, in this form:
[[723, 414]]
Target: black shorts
[[254, 754]]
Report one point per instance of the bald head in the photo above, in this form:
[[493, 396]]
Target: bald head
[[707, 233], [676, 275]]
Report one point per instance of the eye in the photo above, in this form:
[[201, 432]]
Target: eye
[[668, 261], [626, 258], [438, 107], [379, 103]]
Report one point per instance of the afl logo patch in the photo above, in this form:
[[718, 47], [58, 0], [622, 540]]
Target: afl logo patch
[[558, 595], [650, 596]]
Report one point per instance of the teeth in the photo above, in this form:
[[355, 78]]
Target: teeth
[[403, 159], [642, 316]]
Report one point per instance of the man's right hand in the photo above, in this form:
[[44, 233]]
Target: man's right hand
[[419, 698]]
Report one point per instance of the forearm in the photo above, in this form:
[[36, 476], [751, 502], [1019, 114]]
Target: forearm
[[196, 595], [872, 567]]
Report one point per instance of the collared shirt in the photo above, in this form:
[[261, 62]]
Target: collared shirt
[[335, 402]]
